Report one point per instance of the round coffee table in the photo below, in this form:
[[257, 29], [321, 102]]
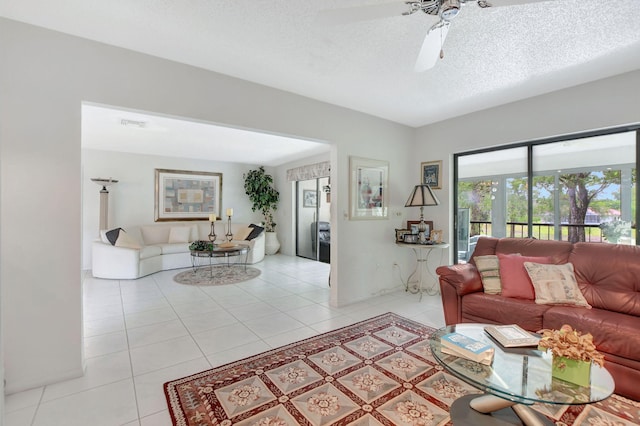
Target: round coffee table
[[515, 379], [218, 251]]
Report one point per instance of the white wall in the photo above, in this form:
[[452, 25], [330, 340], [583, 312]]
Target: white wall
[[44, 78], [610, 102], [132, 199]]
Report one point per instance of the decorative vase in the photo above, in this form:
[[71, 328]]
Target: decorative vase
[[571, 370], [271, 243]]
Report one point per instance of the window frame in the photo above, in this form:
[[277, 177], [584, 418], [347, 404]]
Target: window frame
[[530, 174]]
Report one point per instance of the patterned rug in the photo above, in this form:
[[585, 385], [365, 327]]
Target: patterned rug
[[221, 275], [376, 372]]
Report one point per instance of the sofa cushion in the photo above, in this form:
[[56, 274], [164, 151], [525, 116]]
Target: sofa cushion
[[489, 268], [173, 248], [119, 238], [555, 284], [495, 309], [157, 234], [150, 251], [558, 251], [242, 233], [255, 232], [609, 275], [179, 234], [514, 277]]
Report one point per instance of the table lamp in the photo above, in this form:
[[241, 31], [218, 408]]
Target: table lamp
[[422, 196]]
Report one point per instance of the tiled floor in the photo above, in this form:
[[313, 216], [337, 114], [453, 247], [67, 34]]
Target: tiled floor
[[140, 334]]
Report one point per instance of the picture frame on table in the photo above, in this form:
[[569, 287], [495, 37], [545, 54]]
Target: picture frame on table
[[400, 234], [413, 226], [368, 189], [187, 195], [309, 198], [411, 238], [431, 173]]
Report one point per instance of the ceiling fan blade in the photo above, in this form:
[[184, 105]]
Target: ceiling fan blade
[[347, 15], [431, 47], [500, 3]]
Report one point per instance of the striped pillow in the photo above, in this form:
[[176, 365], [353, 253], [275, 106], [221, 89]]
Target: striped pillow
[[489, 269]]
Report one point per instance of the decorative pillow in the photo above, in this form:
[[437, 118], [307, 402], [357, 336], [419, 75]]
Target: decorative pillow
[[255, 231], [179, 234], [555, 284], [117, 237], [241, 233], [514, 277], [489, 268]]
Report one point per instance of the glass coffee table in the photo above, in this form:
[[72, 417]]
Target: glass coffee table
[[219, 251], [517, 378]]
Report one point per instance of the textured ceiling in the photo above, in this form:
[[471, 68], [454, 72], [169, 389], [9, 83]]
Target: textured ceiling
[[492, 56]]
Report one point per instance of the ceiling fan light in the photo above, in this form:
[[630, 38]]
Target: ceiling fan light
[[449, 9]]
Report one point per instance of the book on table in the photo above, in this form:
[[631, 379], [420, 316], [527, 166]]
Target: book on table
[[512, 336], [465, 347]]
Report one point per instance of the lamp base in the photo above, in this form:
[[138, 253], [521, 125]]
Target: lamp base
[[422, 229]]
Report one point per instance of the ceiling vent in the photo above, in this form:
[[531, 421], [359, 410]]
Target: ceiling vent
[[133, 123]]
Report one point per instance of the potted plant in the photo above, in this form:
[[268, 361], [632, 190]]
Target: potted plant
[[573, 353], [258, 185]]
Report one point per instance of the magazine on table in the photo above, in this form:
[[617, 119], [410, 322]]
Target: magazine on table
[[465, 347]]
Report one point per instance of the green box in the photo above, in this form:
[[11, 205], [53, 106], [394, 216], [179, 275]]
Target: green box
[[574, 371]]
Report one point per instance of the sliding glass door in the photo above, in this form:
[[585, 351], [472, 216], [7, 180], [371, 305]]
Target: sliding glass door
[[571, 189], [313, 230]]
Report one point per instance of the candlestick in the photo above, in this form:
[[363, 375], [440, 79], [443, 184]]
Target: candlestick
[[212, 234], [229, 235]]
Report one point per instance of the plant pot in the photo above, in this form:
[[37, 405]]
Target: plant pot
[[571, 370], [271, 243]]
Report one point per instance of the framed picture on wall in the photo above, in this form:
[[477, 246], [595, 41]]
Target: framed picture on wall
[[368, 189], [309, 198], [187, 195], [431, 172]]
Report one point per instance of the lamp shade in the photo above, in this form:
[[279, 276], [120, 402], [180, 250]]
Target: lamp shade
[[422, 196]]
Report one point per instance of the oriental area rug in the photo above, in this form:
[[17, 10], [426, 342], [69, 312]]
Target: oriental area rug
[[375, 372], [220, 275]]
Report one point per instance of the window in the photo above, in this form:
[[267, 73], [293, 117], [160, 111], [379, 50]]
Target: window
[[579, 188]]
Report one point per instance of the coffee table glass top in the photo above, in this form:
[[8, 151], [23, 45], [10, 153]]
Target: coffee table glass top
[[218, 251], [522, 375]]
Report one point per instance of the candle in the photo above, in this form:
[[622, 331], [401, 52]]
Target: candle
[[212, 218], [229, 212]]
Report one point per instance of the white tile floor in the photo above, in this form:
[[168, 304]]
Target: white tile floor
[[140, 334]]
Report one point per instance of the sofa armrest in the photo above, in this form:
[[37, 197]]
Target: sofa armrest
[[114, 262], [455, 282], [464, 278]]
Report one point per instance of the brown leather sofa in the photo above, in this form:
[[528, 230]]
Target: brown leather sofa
[[608, 276]]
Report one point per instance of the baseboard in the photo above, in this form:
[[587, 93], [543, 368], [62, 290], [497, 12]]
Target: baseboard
[[36, 382]]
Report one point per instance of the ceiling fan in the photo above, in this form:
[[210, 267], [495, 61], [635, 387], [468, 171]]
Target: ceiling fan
[[445, 10]]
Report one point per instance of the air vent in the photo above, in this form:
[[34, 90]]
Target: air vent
[[133, 123]]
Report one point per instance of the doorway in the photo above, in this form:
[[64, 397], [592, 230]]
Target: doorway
[[313, 228]]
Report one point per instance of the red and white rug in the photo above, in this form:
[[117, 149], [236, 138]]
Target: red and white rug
[[376, 372]]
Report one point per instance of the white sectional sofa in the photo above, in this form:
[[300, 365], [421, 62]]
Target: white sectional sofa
[[164, 246]]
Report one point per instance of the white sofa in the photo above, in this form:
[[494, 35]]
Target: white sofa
[[164, 246]]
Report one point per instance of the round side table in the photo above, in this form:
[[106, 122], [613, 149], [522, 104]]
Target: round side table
[[422, 271]]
